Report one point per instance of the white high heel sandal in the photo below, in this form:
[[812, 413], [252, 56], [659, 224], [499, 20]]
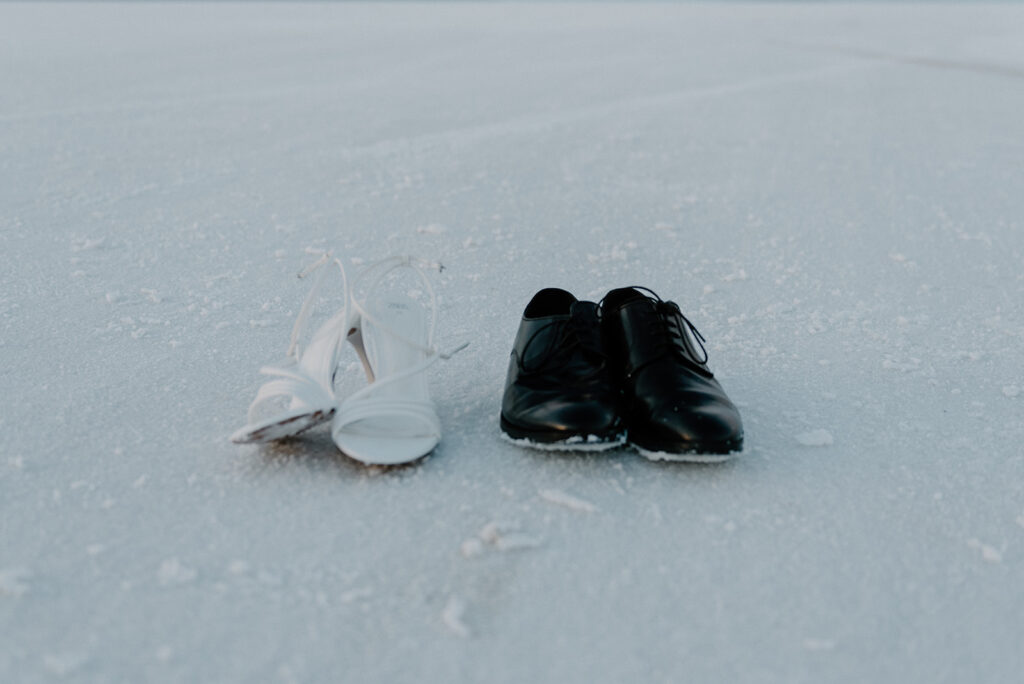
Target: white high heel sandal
[[306, 380], [392, 420]]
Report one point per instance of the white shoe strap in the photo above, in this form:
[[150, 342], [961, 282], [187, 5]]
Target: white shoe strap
[[374, 274], [294, 384], [421, 412]]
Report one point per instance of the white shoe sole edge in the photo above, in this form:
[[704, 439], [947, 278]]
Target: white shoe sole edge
[[590, 443]]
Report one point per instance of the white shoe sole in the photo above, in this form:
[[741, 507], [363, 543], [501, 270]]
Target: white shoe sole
[[591, 443]]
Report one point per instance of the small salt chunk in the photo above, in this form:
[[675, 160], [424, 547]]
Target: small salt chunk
[[86, 244], [238, 567], [172, 572], [815, 438], [452, 617], [988, 553], [560, 498], [819, 644], [471, 548], [490, 532]]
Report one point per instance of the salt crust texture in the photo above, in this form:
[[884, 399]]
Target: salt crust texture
[[832, 193]]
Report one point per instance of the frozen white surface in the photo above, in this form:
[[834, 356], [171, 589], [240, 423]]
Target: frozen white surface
[[834, 195]]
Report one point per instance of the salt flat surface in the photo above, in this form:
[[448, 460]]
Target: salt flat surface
[[833, 194]]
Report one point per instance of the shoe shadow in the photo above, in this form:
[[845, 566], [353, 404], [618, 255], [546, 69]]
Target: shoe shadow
[[315, 451]]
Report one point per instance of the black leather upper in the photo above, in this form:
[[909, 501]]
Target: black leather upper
[[558, 385], [669, 398]]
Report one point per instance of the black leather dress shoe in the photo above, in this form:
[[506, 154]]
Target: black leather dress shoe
[[558, 392], [673, 407]]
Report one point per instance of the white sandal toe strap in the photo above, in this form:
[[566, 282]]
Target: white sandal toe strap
[[294, 384], [402, 413]]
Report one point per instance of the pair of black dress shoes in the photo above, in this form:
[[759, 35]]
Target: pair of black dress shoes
[[586, 376]]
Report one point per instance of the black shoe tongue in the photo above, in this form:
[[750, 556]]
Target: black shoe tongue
[[583, 310], [625, 295]]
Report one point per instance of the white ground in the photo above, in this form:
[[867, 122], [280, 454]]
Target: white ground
[[834, 194]]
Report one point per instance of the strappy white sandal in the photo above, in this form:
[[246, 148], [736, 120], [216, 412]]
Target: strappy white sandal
[[306, 380], [392, 420]]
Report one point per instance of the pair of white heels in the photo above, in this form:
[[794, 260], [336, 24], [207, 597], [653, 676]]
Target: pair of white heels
[[390, 421]]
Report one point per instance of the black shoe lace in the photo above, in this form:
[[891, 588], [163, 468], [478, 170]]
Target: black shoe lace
[[669, 331], [578, 332]]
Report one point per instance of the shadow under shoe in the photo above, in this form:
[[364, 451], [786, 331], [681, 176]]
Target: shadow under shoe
[[558, 391], [673, 406]]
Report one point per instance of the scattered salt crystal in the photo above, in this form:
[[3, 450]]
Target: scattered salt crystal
[[238, 567], [452, 615], [560, 498], [819, 644], [490, 532], [1011, 391], [989, 553], [172, 572], [815, 438], [86, 244], [471, 548]]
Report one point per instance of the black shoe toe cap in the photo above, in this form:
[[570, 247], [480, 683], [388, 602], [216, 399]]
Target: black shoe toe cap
[[675, 428], [561, 419]]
